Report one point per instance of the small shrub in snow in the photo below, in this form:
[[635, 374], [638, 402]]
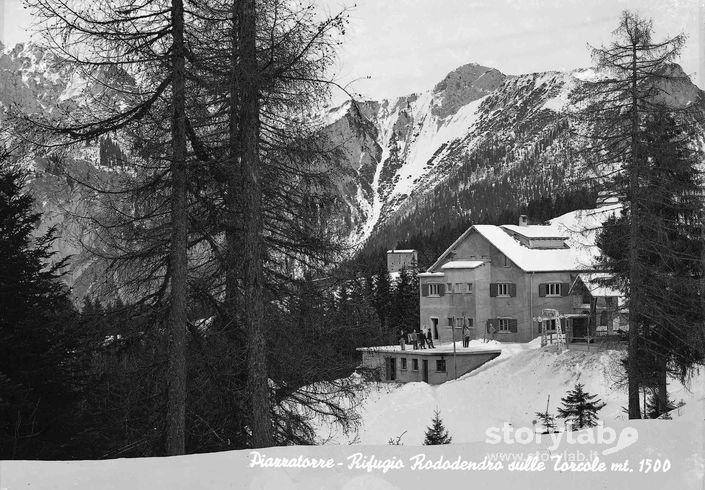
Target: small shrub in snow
[[437, 433], [580, 408], [548, 421], [396, 441]]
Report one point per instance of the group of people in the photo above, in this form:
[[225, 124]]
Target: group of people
[[417, 339]]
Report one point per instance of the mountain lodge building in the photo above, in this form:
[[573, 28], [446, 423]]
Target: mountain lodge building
[[493, 280]]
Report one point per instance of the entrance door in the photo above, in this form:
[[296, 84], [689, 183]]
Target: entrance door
[[392, 368], [425, 370], [580, 327], [434, 321]]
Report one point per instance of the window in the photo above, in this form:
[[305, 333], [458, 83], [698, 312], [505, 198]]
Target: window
[[603, 319], [503, 289], [441, 365], [434, 289], [553, 289], [504, 325], [587, 297], [469, 287], [449, 287], [403, 363], [415, 364], [450, 321]]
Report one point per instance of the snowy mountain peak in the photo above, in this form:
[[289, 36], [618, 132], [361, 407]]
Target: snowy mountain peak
[[464, 85], [478, 142]]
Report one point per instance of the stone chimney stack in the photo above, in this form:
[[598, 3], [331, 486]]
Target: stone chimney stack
[[523, 220]]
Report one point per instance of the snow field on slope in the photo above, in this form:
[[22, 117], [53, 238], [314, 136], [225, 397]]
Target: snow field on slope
[[432, 135], [509, 389]]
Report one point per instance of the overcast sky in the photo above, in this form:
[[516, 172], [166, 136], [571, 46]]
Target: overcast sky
[[408, 46]]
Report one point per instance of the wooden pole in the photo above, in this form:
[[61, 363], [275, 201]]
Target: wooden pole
[[455, 361]]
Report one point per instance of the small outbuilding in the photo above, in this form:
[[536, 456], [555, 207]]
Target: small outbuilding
[[603, 304], [432, 366]]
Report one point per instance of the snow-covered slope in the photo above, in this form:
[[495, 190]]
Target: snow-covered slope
[[444, 154], [392, 144], [509, 389]]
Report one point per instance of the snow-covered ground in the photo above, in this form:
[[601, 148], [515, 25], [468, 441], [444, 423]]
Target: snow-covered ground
[[509, 389]]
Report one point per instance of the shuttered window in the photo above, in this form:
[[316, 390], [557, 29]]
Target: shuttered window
[[433, 289], [553, 289], [507, 325], [503, 289]]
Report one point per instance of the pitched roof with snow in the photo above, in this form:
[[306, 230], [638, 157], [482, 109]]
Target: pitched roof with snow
[[527, 259], [595, 283], [579, 228], [537, 231], [530, 259], [462, 264]]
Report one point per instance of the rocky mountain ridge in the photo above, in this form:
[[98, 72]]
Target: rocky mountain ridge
[[475, 144], [478, 141]]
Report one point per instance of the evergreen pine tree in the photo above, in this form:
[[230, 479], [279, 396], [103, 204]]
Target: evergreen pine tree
[[437, 433], [670, 320], [580, 408], [635, 89], [36, 320], [382, 297], [547, 420], [404, 311], [656, 408]]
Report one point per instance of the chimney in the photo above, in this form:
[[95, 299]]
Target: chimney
[[523, 220]]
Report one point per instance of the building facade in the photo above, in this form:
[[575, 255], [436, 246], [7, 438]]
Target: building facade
[[493, 280], [604, 305], [401, 259], [432, 366]]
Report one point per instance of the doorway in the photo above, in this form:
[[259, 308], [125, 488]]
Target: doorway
[[434, 323], [392, 370], [425, 370]]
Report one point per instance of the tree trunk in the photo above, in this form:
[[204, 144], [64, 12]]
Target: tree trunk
[[233, 328], [662, 385], [253, 246], [634, 272], [176, 374]]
